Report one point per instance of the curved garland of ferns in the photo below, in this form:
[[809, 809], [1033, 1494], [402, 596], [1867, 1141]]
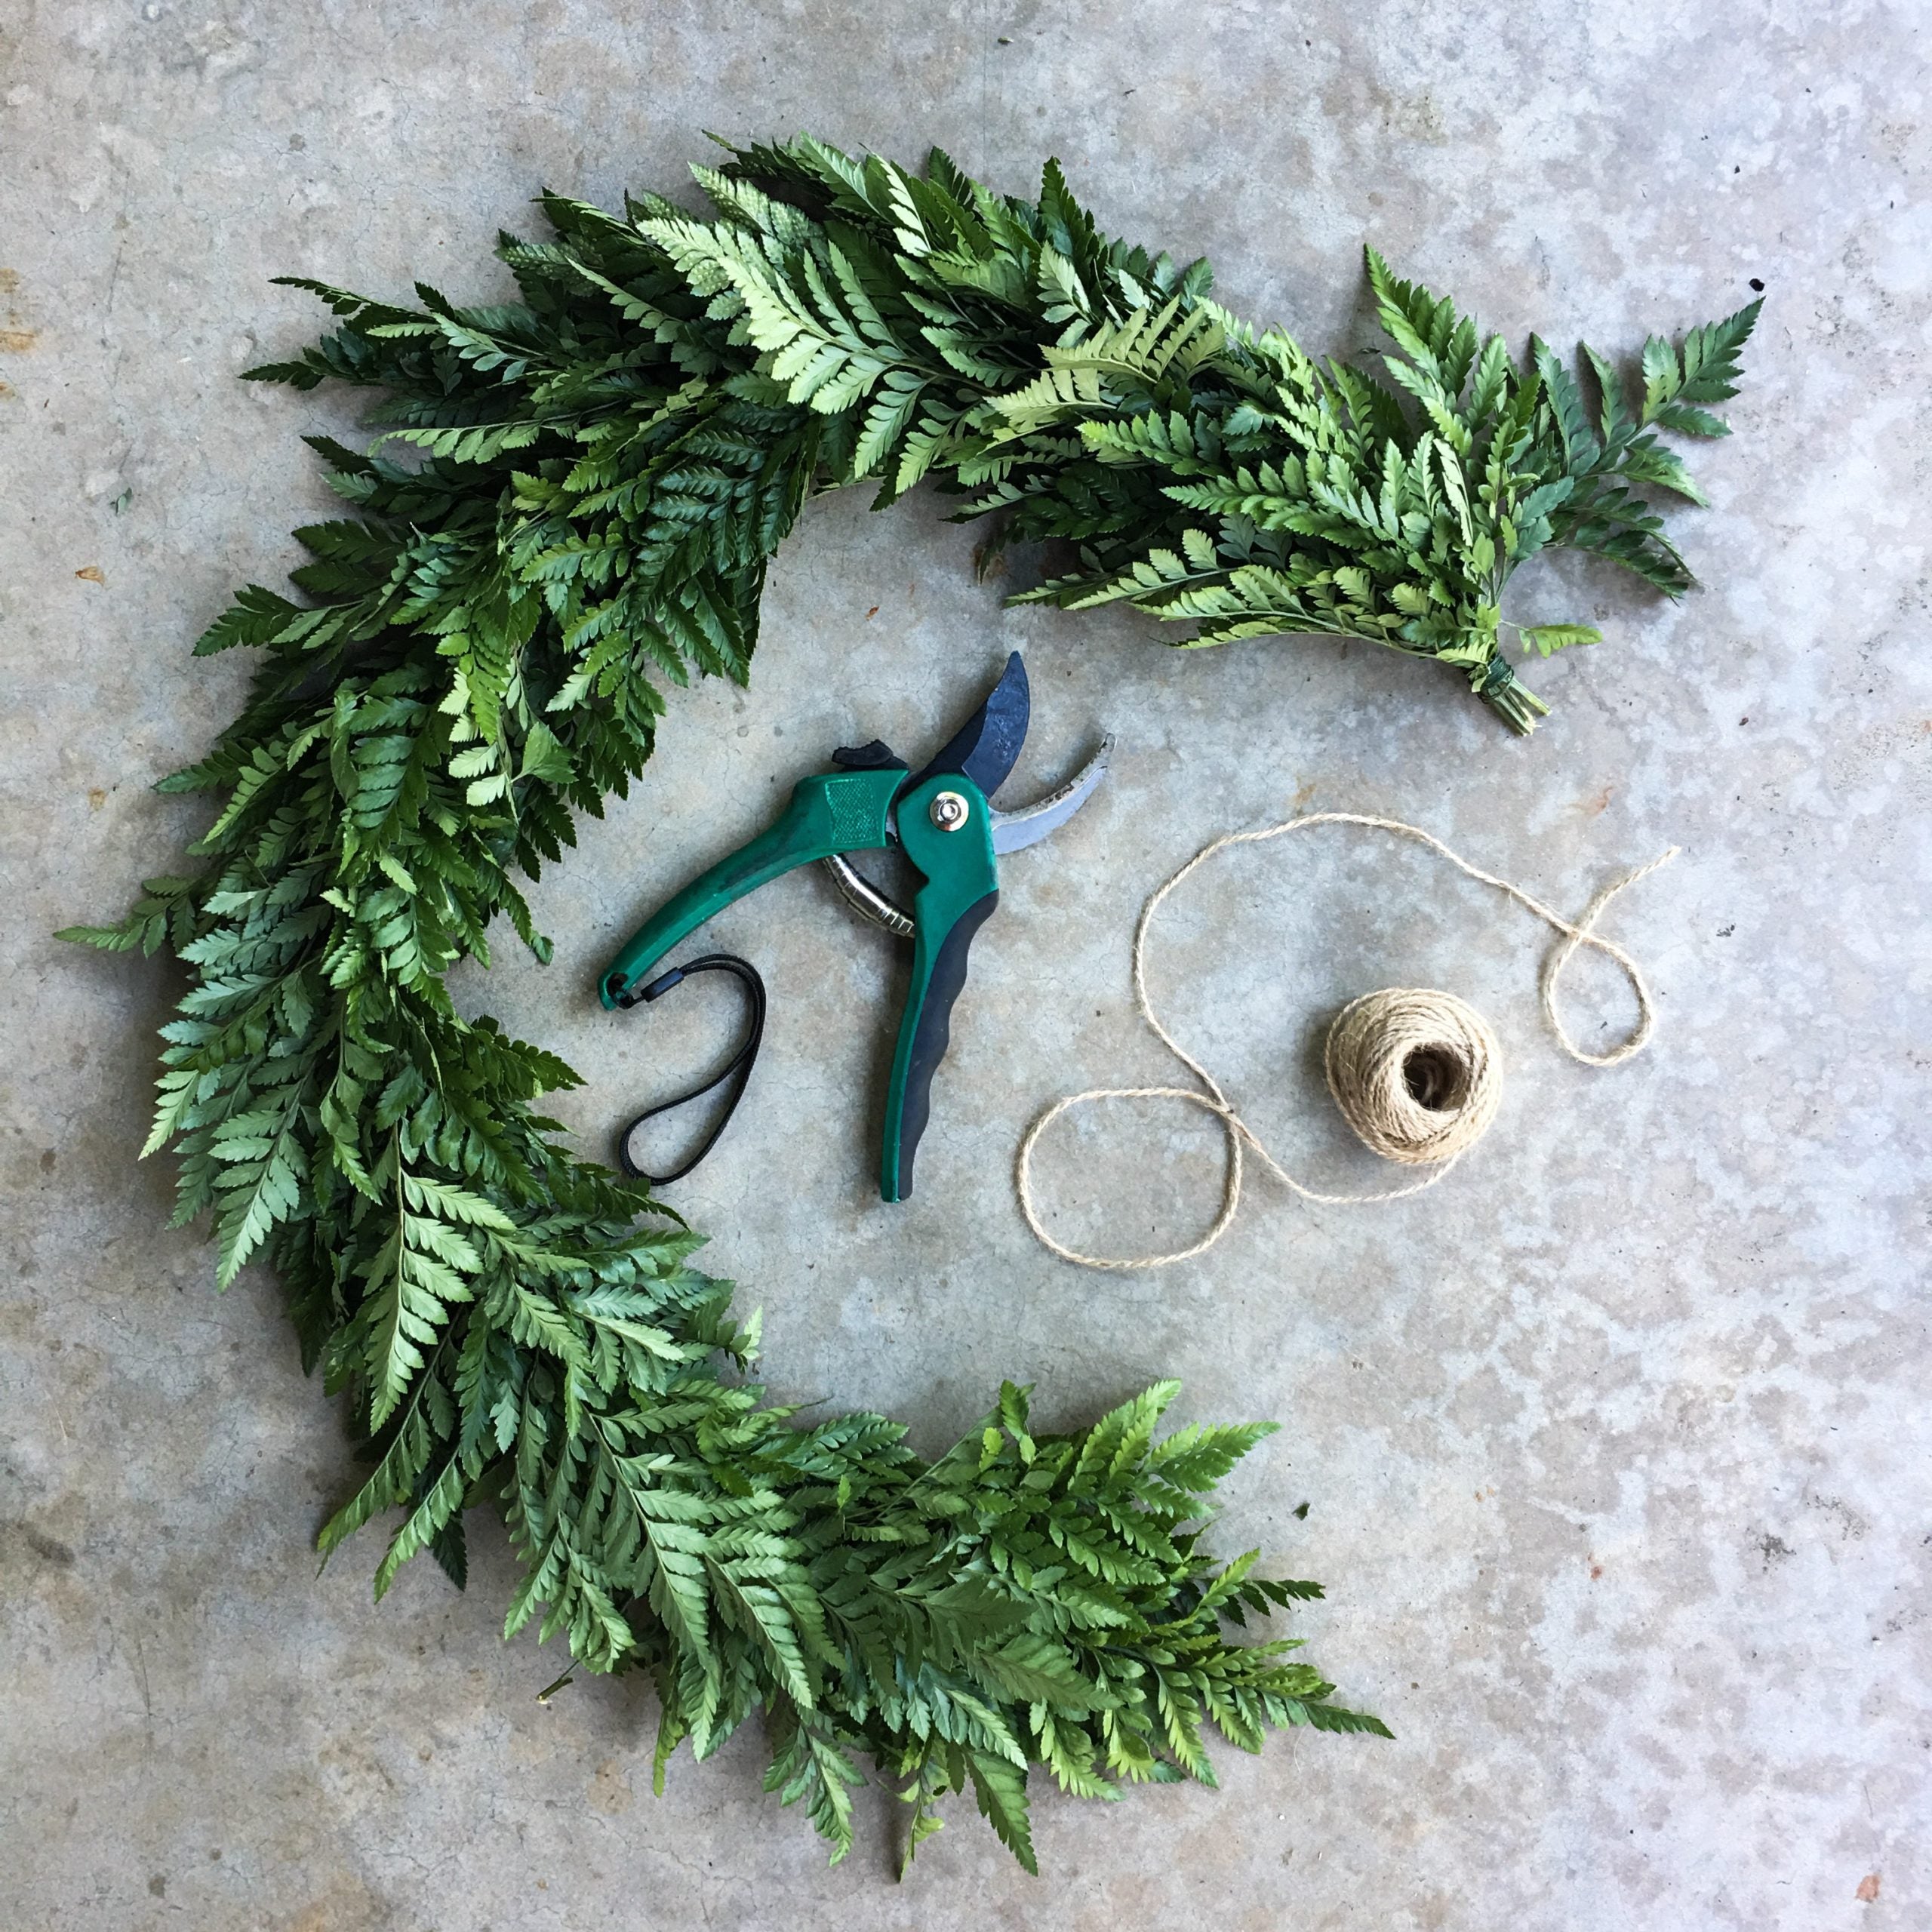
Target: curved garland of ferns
[[602, 473]]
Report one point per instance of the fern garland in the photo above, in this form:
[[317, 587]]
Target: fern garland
[[598, 477]]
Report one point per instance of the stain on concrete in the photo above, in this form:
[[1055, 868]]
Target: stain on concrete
[[49, 1549]]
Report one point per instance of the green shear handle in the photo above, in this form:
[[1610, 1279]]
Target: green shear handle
[[830, 812], [945, 827]]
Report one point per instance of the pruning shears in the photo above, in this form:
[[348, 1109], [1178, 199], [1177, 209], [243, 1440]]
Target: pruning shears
[[942, 817]]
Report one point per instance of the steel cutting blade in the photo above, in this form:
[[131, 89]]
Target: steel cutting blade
[[1014, 832], [984, 748]]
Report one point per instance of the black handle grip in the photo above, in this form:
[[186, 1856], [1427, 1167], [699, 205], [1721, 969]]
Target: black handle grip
[[933, 1034]]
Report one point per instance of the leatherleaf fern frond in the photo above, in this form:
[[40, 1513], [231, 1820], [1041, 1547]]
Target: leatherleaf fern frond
[[572, 500]]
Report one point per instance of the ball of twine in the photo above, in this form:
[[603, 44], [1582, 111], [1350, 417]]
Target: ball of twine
[[1417, 1074]]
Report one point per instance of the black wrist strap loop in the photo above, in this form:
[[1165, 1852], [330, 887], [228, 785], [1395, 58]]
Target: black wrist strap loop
[[737, 1068]]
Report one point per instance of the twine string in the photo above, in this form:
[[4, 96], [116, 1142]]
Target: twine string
[[1390, 1055]]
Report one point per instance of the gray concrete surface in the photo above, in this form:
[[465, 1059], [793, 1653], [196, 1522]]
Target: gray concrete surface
[[1615, 1446]]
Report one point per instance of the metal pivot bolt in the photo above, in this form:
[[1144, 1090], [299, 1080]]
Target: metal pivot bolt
[[948, 811]]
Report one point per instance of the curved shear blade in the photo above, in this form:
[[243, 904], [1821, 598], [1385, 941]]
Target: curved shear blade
[[1014, 832], [984, 748]]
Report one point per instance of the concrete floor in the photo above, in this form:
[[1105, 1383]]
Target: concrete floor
[[1614, 1446]]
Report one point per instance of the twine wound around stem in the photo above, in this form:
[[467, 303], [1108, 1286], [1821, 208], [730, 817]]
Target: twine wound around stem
[[1417, 1074]]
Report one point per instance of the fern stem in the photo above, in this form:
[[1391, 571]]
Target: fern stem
[[1511, 699]]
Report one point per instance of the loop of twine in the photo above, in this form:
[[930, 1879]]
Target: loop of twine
[[1371, 1048]]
